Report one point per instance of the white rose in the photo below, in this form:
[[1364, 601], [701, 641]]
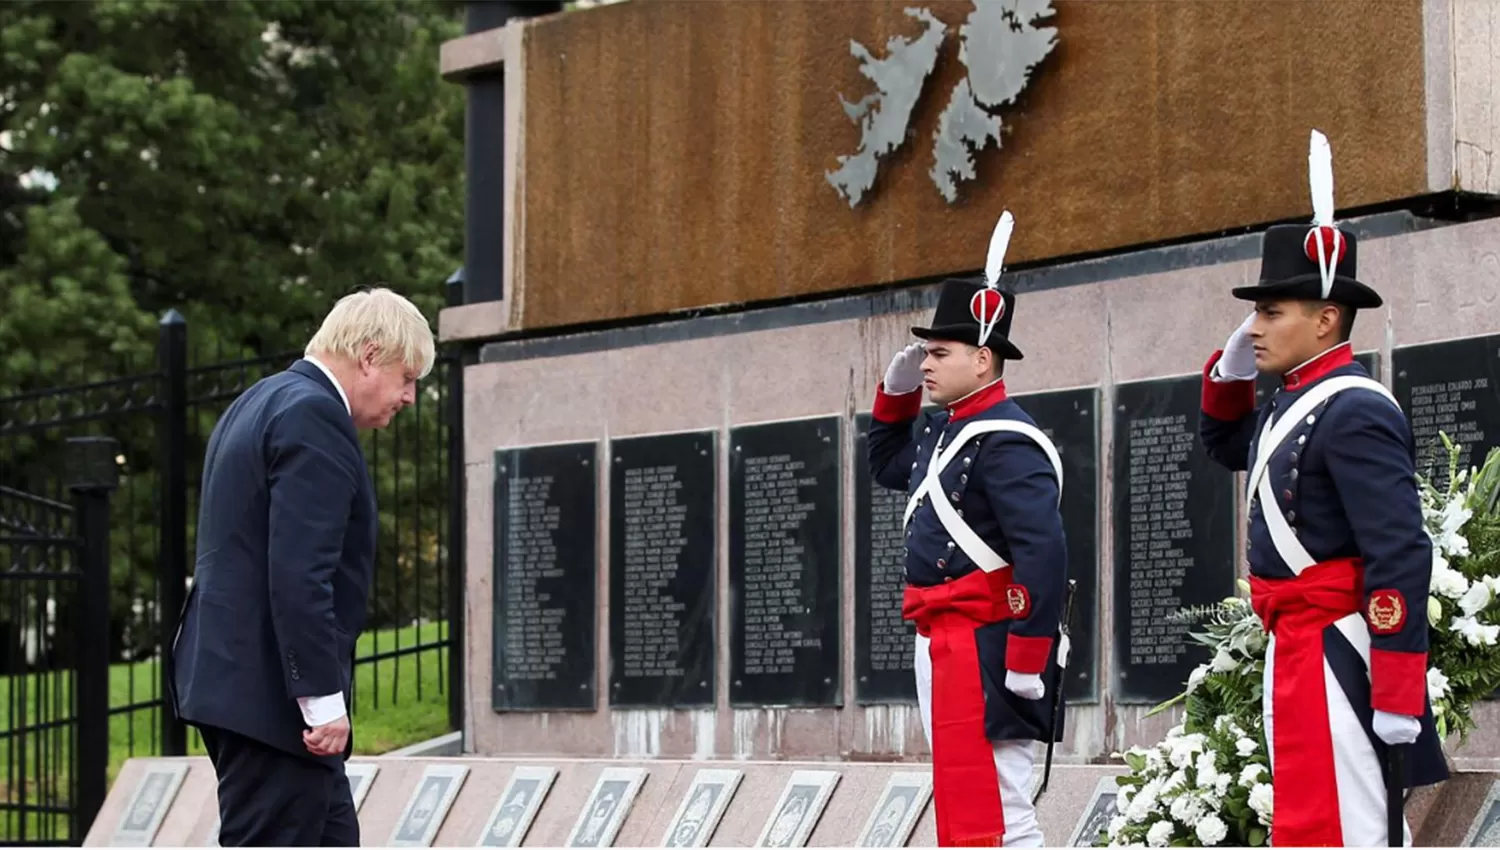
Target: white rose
[[1221, 786], [1177, 780], [1116, 826], [1447, 582], [1223, 662], [1437, 684], [1144, 802], [1211, 830], [1246, 747], [1186, 809], [1434, 611], [1159, 834], [1208, 772], [1251, 774], [1475, 632], [1475, 599], [1262, 800]]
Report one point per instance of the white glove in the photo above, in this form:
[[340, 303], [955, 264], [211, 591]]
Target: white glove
[[905, 372], [1238, 360], [1024, 685], [1396, 728]]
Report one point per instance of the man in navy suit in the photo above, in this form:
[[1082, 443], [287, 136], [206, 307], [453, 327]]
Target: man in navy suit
[[285, 553]]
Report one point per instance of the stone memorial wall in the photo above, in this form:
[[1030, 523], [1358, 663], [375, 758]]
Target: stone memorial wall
[[740, 573]]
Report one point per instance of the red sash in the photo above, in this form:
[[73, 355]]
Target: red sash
[[1305, 789], [965, 787]]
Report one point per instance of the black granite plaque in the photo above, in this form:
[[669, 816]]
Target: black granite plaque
[[1450, 387], [661, 571], [883, 642], [1265, 385], [1174, 514], [784, 534], [545, 567], [1070, 420]]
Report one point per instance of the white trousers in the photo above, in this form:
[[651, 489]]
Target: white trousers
[[1357, 770], [1015, 762]]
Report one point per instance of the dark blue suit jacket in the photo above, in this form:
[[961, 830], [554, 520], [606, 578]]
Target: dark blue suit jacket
[[285, 555]]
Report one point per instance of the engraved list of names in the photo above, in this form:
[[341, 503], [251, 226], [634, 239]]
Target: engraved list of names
[[784, 563], [1174, 533], [662, 570], [883, 642], [1450, 388], [544, 577]]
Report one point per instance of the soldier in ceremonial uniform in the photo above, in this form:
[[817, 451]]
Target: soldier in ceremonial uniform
[[1340, 563], [986, 563]]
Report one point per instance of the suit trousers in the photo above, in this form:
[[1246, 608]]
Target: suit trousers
[[1015, 762], [271, 798]]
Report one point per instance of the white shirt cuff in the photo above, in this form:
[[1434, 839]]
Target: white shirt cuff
[[318, 711]]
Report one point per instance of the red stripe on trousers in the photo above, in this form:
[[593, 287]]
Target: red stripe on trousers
[[1304, 785], [965, 787]]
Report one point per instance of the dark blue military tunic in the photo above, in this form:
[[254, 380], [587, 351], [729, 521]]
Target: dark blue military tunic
[[1003, 485], [1344, 482]]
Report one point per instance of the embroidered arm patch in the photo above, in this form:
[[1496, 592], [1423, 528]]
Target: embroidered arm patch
[[1387, 611], [1017, 601]]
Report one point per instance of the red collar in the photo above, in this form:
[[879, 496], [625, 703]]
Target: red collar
[[981, 399], [1340, 355]]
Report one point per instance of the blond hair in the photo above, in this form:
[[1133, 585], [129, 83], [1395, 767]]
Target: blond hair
[[379, 316]]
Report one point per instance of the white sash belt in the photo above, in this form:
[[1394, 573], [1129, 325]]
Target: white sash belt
[[963, 536], [1272, 436]]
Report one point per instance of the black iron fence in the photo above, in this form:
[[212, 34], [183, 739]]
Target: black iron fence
[[407, 667], [54, 581]]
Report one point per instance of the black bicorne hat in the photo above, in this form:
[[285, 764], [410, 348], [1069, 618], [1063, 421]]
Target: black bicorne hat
[[1314, 262], [962, 304], [1289, 267]]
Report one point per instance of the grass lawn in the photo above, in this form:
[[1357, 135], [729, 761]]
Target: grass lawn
[[397, 701]]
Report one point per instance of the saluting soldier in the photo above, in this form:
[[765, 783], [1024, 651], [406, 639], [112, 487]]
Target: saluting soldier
[[1339, 560], [985, 557]]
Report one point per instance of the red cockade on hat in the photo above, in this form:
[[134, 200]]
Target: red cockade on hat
[[1328, 241], [987, 306]]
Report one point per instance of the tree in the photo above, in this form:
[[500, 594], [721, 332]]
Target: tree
[[243, 162]]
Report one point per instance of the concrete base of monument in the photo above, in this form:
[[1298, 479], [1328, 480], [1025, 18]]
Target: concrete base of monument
[[462, 801]]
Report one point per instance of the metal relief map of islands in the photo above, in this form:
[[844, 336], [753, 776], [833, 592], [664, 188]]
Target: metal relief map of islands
[[1000, 45]]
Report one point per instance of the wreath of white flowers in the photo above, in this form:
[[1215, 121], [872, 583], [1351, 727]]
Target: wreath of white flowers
[[1208, 783]]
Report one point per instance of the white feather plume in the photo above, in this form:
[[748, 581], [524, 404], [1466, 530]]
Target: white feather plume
[[1320, 178], [999, 242]]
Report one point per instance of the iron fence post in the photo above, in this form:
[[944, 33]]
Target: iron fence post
[[94, 475], [457, 518], [172, 564]]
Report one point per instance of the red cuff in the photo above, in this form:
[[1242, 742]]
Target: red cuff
[[1226, 400], [1398, 682], [896, 408], [1027, 654]]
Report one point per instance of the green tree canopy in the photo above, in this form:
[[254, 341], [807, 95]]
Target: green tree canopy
[[243, 162]]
